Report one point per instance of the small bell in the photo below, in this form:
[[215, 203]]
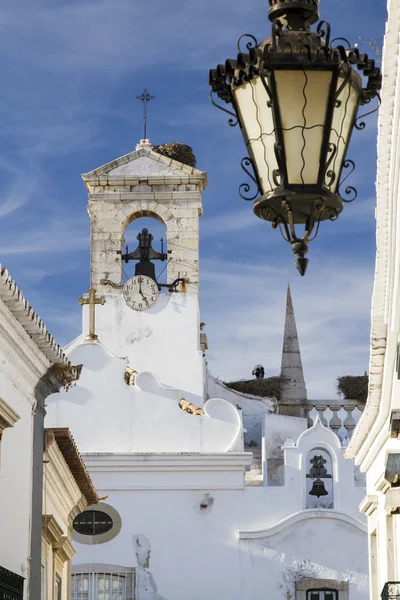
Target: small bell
[[318, 488]]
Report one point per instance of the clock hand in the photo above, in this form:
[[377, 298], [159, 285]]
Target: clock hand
[[141, 293]]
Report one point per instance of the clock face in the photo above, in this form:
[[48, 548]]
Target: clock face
[[140, 292]]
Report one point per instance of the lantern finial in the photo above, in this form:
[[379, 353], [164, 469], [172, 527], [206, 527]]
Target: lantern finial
[[300, 249], [299, 14]]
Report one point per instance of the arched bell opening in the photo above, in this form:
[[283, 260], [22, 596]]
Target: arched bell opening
[[319, 479], [144, 247]]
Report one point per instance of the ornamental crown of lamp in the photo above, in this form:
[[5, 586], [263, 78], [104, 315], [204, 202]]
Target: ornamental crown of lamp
[[296, 98]]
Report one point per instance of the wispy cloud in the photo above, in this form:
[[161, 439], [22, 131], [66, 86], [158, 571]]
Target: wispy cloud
[[56, 235], [70, 73], [244, 308]]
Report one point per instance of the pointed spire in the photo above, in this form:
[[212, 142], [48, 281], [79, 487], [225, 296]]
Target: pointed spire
[[293, 388]]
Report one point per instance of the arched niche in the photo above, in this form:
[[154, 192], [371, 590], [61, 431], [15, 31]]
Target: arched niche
[[156, 226], [319, 479]]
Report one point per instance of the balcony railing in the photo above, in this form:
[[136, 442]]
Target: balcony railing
[[391, 591], [11, 585]]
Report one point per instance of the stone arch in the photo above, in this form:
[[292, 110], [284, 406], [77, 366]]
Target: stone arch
[[109, 222], [128, 213], [160, 220]]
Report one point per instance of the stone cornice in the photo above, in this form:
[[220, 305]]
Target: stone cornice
[[392, 500], [175, 197], [65, 549], [27, 339], [180, 461], [369, 424], [181, 173], [67, 463], [12, 296], [8, 416], [51, 529], [175, 471], [369, 504]]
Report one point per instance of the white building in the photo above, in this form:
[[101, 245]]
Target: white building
[[32, 366], [190, 512], [375, 445], [67, 491]]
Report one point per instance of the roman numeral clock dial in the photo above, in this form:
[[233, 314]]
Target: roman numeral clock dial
[[140, 292]]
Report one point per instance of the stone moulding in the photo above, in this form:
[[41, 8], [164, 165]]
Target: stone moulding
[[298, 517], [8, 417], [369, 504], [170, 471], [181, 172], [51, 529], [20, 308], [186, 461]]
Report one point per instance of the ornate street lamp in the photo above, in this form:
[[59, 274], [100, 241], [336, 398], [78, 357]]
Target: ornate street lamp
[[296, 97]]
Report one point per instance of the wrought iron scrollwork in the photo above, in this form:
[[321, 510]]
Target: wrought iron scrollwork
[[329, 174], [348, 163], [232, 122], [361, 124], [350, 190], [334, 215], [324, 33], [340, 39], [317, 210], [245, 188], [253, 43]]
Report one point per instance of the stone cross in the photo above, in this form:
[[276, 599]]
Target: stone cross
[[92, 301]]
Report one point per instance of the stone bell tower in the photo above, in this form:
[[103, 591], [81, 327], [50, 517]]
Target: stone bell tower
[[162, 338], [145, 183]]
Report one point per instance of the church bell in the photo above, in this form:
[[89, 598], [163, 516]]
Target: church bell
[[318, 488]]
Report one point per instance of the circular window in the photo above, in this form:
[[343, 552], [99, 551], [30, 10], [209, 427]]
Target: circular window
[[97, 524], [93, 522]]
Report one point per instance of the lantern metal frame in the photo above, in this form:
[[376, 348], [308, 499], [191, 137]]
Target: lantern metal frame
[[293, 46]]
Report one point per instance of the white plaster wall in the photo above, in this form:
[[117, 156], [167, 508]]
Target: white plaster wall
[[143, 418], [253, 408], [387, 553], [196, 554], [164, 339], [277, 429], [15, 471]]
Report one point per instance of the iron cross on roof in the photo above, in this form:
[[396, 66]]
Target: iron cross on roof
[[145, 97]]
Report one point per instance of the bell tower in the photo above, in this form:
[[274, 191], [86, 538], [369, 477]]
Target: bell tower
[[160, 182], [159, 333]]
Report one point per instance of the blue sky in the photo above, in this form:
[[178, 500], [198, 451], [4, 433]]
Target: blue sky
[[70, 74]]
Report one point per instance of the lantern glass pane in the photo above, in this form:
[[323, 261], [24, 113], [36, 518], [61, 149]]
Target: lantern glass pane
[[303, 102], [259, 131], [342, 126]]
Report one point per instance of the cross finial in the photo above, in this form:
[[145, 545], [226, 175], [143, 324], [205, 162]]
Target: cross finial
[[145, 97], [92, 301]]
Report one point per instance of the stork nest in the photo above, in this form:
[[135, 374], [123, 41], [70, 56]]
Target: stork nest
[[353, 387], [265, 388], [177, 151]]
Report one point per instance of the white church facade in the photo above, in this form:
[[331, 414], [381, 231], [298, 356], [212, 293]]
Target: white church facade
[[207, 492]]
